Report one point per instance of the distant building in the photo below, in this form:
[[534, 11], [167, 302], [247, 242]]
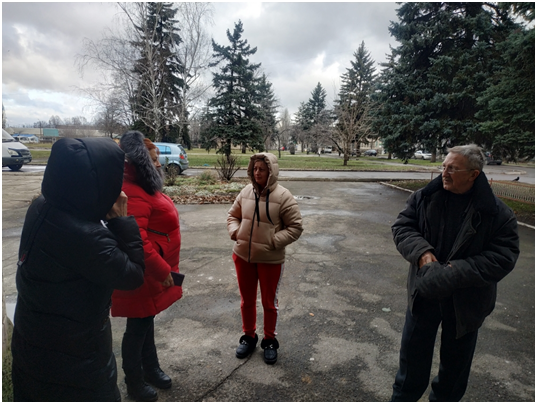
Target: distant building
[[26, 138], [50, 135]]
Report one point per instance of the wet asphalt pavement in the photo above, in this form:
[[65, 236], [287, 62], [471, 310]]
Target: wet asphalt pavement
[[342, 305]]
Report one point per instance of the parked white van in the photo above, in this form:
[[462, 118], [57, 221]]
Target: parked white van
[[14, 154]]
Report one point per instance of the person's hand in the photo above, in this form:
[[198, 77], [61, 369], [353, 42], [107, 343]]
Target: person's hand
[[426, 258], [168, 281], [436, 282], [119, 208]]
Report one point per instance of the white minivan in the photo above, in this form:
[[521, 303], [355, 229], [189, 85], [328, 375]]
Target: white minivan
[[14, 154]]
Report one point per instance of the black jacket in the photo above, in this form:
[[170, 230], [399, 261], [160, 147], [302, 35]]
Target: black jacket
[[69, 264], [485, 250]]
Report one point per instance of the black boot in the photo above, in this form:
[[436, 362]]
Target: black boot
[[270, 348], [247, 346], [138, 390], [157, 378]]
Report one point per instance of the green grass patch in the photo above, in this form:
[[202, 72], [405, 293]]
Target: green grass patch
[[40, 154], [303, 161], [525, 212], [299, 161], [33, 146], [411, 185]]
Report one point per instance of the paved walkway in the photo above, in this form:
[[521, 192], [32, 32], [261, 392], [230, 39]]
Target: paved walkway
[[342, 305]]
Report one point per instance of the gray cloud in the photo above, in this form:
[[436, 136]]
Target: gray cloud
[[40, 41], [291, 36]]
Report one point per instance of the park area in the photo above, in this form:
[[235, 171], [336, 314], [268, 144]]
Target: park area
[[208, 188]]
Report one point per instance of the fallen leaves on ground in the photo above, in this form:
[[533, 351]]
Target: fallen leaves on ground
[[203, 199]]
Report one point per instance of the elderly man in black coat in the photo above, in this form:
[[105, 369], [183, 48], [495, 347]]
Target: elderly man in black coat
[[77, 246], [460, 240]]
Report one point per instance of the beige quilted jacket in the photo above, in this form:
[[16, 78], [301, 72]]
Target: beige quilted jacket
[[263, 222]]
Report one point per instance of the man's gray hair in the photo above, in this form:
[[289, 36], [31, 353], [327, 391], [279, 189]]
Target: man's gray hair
[[474, 154]]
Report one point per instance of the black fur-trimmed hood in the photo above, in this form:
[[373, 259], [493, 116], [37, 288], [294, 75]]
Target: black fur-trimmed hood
[[146, 174]]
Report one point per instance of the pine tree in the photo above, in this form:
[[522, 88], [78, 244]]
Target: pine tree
[[317, 105], [268, 108], [433, 79], [354, 103], [158, 97], [315, 118], [234, 111], [508, 114]]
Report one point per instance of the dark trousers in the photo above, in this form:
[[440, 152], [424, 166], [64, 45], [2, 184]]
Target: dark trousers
[[138, 348], [417, 348]]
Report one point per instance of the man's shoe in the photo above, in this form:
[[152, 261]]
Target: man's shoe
[[246, 346], [140, 391], [270, 350], [157, 378]]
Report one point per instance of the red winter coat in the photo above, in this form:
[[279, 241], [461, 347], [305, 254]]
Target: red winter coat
[[157, 213]]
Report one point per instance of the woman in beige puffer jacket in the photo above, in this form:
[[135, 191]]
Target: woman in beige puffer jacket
[[263, 219]]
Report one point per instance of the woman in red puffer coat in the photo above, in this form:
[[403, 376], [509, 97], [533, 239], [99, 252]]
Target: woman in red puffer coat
[[158, 221]]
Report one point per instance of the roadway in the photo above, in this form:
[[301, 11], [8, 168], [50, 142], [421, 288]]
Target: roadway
[[499, 173]]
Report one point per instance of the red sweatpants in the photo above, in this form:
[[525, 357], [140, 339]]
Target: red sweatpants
[[268, 276]]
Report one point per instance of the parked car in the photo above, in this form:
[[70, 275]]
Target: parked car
[[14, 153], [491, 159], [371, 152], [421, 155], [25, 138], [327, 149], [172, 155]]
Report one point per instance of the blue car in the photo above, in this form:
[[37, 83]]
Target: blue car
[[172, 155]]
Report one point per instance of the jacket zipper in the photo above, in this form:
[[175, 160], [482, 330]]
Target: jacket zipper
[[160, 233]]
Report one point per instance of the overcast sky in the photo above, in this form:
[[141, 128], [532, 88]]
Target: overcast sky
[[298, 45]]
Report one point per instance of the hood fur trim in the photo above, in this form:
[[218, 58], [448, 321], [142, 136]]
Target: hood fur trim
[[147, 175]]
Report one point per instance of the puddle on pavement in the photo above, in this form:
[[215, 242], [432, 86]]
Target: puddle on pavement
[[365, 189], [322, 241], [344, 213]]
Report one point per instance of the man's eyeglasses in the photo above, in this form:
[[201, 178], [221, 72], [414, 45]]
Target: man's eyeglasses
[[451, 171]]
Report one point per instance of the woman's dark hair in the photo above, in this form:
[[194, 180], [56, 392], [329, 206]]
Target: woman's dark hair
[[147, 175]]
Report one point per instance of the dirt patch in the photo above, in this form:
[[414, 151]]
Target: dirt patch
[[203, 199]]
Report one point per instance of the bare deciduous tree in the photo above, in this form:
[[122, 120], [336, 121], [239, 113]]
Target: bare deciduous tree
[[195, 52], [132, 87], [353, 125]]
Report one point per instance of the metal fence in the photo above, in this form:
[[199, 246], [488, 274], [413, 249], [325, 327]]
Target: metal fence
[[514, 191]]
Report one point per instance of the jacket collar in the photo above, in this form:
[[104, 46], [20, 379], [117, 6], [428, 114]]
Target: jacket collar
[[484, 199]]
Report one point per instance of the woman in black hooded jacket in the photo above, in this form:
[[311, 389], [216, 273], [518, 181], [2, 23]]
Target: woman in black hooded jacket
[[76, 247]]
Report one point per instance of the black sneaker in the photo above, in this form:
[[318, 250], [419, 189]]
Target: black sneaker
[[270, 348], [246, 347]]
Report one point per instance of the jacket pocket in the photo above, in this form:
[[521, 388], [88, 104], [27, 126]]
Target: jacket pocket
[[272, 239]]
